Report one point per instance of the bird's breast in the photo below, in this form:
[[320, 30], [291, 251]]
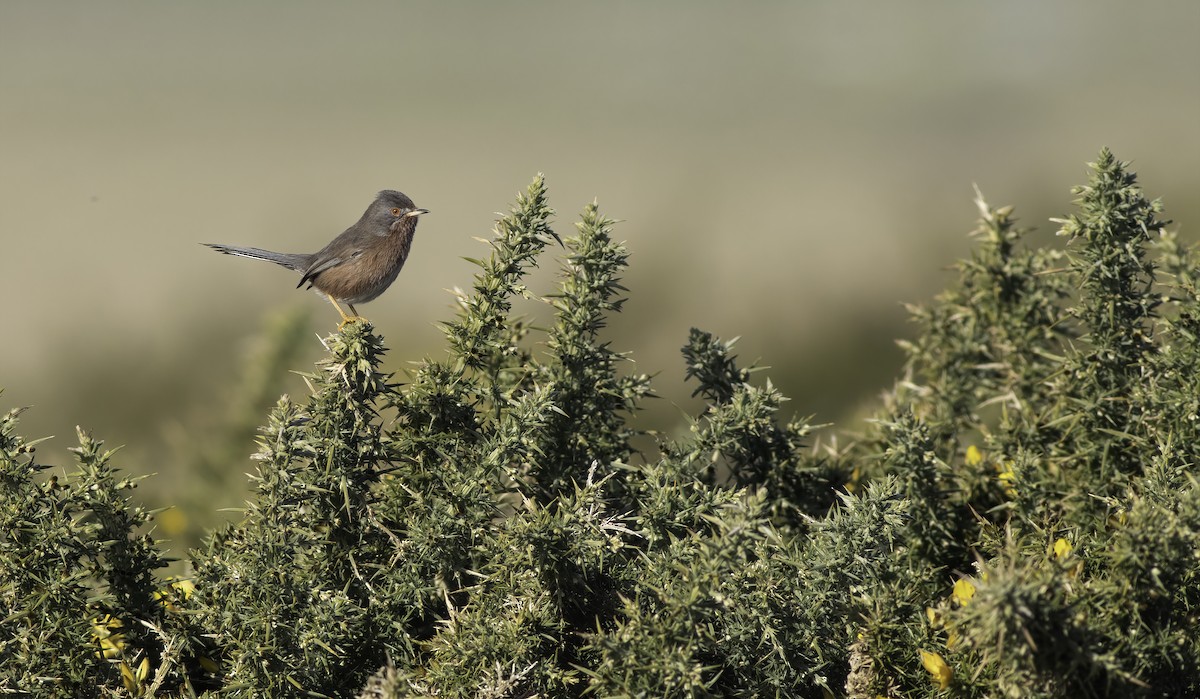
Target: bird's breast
[[369, 272]]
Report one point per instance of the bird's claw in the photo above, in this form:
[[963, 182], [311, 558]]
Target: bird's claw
[[350, 319]]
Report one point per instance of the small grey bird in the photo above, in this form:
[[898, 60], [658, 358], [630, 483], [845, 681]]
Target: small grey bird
[[358, 265]]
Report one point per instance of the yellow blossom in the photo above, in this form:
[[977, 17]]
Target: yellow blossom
[[852, 484], [108, 632], [941, 672], [185, 587], [1062, 550], [172, 522], [974, 456], [1008, 479], [134, 680], [176, 587], [963, 592], [934, 616]]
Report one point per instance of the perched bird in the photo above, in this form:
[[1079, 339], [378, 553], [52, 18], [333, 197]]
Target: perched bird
[[358, 265]]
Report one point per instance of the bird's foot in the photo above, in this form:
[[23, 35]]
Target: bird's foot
[[350, 319]]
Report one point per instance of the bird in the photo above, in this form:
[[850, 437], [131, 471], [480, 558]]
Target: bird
[[358, 265]]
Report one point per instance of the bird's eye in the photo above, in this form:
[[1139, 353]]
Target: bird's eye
[[395, 212]]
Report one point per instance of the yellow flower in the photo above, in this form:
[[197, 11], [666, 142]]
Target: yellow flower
[[974, 456], [852, 484], [185, 587], [134, 680], [172, 521], [176, 588], [1008, 479], [1063, 550], [108, 632], [934, 616], [941, 672], [963, 592]]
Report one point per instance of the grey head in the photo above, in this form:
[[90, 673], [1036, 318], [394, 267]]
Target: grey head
[[389, 209]]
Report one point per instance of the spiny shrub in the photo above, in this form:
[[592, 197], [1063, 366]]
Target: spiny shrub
[[1021, 518]]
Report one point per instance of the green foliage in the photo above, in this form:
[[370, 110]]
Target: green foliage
[[79, 603], [1020, 518]]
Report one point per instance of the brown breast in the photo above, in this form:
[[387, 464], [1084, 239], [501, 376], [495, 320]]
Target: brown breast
[[366, 275]]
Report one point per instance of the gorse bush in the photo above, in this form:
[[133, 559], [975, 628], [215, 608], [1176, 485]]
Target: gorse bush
[[1020, 519]]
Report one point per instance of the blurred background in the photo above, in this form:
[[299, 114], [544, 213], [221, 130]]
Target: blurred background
[[788, 172]]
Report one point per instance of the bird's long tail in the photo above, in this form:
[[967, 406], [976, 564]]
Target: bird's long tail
[[289, 260]]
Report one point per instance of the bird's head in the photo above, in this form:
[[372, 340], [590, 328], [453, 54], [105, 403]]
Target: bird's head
[[393, 210]]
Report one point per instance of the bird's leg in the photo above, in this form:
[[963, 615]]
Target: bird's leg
[[345, 318], [338, 307]]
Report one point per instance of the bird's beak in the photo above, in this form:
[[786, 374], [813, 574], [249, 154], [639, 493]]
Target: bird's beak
[[416, 212]]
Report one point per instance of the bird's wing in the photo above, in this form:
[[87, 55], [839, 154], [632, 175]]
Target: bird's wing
[[320, 266]]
